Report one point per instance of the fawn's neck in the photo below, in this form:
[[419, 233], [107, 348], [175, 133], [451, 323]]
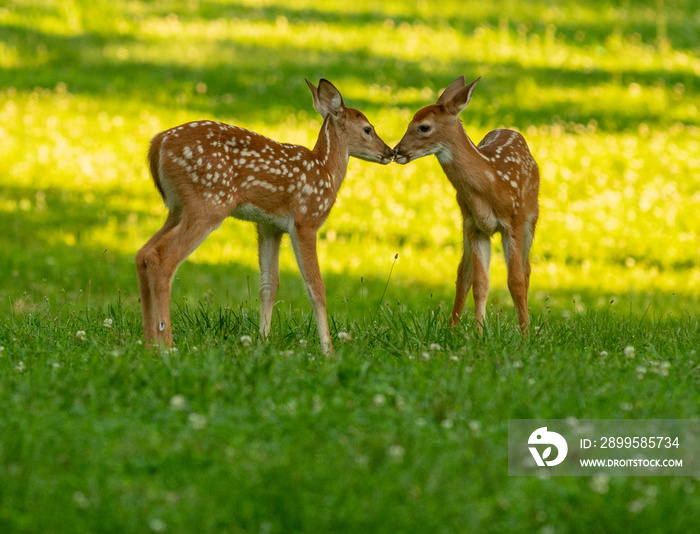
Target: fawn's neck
[[332, 153]]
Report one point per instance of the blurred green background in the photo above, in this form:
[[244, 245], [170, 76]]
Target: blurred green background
[[605, 92]]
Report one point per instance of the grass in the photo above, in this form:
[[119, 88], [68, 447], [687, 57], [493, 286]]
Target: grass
[[405, 430]]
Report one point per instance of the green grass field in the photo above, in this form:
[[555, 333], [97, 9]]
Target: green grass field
[[406, 429]]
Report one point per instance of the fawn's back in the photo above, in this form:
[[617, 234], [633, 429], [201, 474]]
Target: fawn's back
[[509, 162], [241, 172]]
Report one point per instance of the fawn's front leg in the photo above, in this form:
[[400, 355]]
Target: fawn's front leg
[[480, 245], [464, 275], [304, 244]]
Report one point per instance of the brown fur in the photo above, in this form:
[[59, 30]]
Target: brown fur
[[497, 186], [207, 171]]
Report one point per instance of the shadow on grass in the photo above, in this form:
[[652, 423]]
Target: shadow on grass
[[267, 83]]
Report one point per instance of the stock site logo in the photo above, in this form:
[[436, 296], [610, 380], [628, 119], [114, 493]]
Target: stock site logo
[[542, 436]]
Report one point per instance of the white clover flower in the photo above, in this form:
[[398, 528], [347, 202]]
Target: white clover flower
[[425, 356], [178, 402], [80, 499], [636, 506], [435, 346], [197, 421], [599, 484], [246, 341], [344, 336], [396, 452], [629, 351], [157, 525], [517, 364], [20, 366], [108, 322], [379, 400], [447, 423], [302, 342], [454, 358], [81, 335], [626, 406], [603, 353], [474, 426]]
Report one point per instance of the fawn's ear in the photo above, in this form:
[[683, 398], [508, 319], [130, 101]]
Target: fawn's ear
[[327, 99], [461, 98], [452, 90]]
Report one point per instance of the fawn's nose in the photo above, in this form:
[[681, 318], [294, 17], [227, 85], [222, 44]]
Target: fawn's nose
[[388, 155], [400, 157]]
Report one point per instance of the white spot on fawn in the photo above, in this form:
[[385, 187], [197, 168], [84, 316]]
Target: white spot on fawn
[[328, 145]]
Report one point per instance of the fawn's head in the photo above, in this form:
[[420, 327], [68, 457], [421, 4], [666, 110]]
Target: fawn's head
[[351, 124], [433, 126]]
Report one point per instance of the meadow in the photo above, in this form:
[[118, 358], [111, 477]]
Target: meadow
[[405, 429]]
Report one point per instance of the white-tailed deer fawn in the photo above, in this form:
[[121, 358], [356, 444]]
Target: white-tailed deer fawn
[[207, 171], [497, 184]]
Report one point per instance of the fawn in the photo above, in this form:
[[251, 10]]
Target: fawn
[[207, 171], [497, 185]]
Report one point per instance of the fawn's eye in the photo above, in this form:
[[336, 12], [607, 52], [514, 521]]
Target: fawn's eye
[[424, 128], [368, 129]]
